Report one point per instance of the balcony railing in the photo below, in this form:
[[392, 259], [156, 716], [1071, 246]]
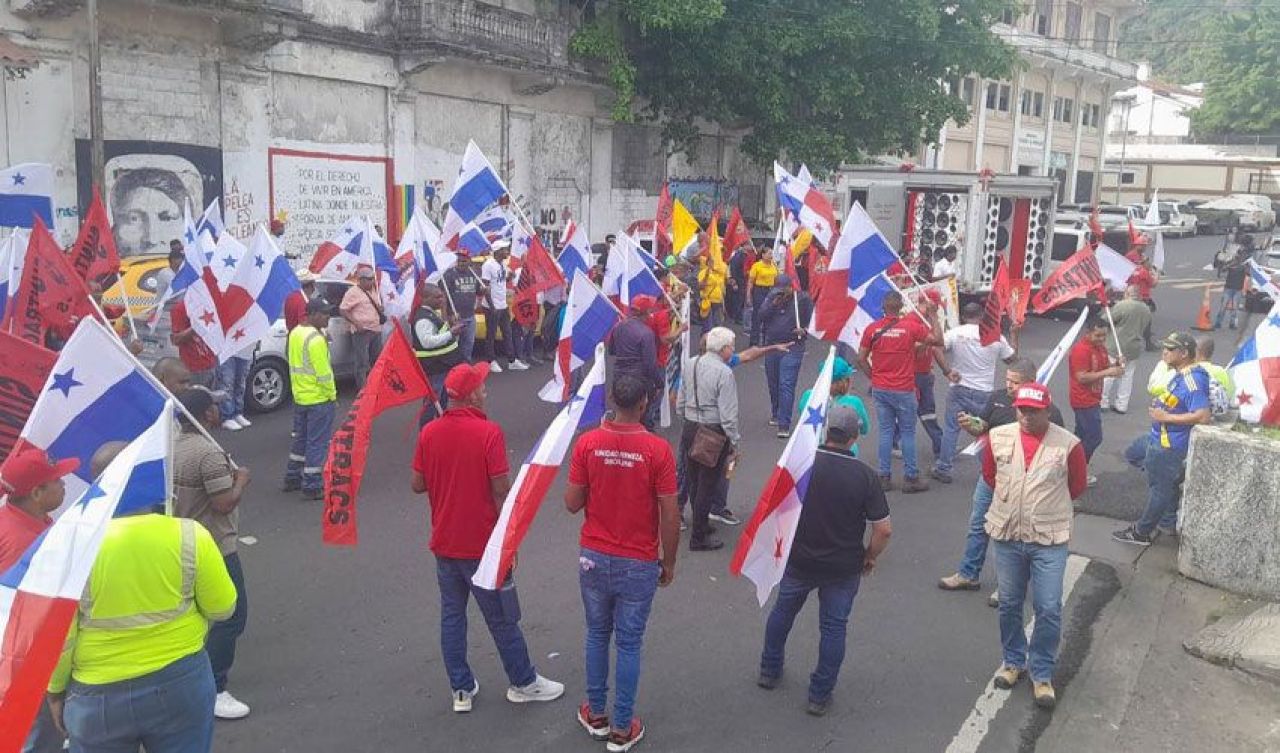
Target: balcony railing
[[520, 37], [1067, 53], [55, 8]]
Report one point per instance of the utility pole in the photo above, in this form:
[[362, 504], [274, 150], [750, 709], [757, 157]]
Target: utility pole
[[1127, 101], [97, 159]]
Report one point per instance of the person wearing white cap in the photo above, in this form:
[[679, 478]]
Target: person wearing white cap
[[494, 275]]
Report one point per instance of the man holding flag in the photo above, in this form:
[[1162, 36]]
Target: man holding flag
[[828, 555]]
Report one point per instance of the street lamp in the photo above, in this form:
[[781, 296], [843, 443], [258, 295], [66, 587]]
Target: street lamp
[[1127, 100]]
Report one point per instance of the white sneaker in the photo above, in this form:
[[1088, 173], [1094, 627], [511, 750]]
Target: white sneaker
[[225, 706], [462, 698], [1091, 482], [231, 425], [541, 689], [244, 422], [494, 368], [518, 365]]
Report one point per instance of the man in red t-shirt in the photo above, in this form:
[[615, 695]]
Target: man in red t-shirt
[[461, 464], [193, 351], [888, 353], [32, 484], [1089, 364], [625, 479]]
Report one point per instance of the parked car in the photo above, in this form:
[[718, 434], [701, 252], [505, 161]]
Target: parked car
[[1264, 205], [1175, 219], [1114, 216], [1273, 248], [1250, 215], [1212, 221]]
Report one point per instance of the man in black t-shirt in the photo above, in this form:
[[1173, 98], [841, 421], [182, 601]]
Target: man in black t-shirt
[[462, 287], [827, 554], [1233, 290]]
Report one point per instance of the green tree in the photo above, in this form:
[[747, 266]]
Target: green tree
[[1242, 74], [1171, 35], [821, 81]]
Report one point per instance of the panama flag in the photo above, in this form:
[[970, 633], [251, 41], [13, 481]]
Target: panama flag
[[336, 258], [575, 251], [26, 192], [227, 253], [537, 474], [855, 283], [1259, 277], [199, 249], [807, 204], [472, 240], [766, 541], [254, 299], [96, 393], [13, 254], [421, 241], [211, 221], [1256, 373], [39, 595], [496, 223], [477, 188], [627, 274], [588, 319]]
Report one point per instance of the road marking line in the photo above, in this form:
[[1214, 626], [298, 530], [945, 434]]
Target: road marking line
[[975, 728]]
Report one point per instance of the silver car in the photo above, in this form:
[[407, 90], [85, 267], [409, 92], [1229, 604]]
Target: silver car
[[267, 387]]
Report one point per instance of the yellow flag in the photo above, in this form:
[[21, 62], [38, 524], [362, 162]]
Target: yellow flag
[[801, 243], [684, 228]]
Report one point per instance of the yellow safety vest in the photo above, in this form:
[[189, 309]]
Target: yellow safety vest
[[310, 372], [154, 588]]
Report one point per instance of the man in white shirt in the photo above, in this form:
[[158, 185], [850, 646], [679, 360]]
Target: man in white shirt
[[494, 275], [946, 266], [972, 373]]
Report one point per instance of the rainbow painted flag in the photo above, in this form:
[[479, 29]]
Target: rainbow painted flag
[[402, 209]]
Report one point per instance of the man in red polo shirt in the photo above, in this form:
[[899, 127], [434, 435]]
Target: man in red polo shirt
[[1089, 364], [625, 479], [193, 351], [32, 484], [888, 353], [461, 464]]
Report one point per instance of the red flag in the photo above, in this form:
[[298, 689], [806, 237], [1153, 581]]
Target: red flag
[[997, 304], [1019, 297], [51, 296], [23, 372], [736, 234], [662, 223], [396, 378], [539, 274], [1077, 276], [94, 252]]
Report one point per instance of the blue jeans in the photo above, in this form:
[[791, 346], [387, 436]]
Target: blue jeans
[[1089, 429], [1136, 453], [428, 411], [1232, 300], [467, 338], [1165, 471], [312, 427], [501, 611], [896, 414], [758, 296], [221, 641], [1017, 564], [617, 593], [959, 398], [975, 546], [782, 370], [231, 377], [167, 711], [835, 602]]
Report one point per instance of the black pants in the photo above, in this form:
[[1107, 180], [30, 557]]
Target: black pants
[[701, 480], [493, 321]]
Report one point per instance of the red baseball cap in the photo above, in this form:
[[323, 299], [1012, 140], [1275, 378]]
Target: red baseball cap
[[643, 304], [464, 379], [1032, 395], [29, 467]]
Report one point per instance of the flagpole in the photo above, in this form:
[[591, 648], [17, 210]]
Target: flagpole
[[1115, 335]]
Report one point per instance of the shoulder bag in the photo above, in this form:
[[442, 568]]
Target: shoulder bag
[[708, 444]]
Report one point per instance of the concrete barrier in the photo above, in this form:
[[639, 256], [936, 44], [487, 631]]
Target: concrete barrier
[[1231, 512]]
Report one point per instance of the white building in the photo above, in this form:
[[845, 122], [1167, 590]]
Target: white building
[[1048, 118], [1154, 112]]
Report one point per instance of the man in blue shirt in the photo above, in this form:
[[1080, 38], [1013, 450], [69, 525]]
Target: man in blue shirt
[[782, 318], [1181, 404]]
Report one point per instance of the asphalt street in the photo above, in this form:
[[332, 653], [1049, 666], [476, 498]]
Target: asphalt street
[[342, 649]]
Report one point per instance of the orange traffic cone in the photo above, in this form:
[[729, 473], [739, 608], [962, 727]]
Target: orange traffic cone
[[1204, 322]]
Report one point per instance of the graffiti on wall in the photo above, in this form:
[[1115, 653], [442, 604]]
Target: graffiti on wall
[[319, 191], [147, 186], [702, 195], [237, 210]]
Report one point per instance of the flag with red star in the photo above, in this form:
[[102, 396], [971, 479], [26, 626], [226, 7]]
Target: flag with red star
[[1255, 370], [765, 545]]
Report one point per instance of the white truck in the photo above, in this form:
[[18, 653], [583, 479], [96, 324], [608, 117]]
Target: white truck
[[928, 212]]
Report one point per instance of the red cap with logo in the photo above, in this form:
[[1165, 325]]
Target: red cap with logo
[[1032, 395], [464, 379], [29, 467]]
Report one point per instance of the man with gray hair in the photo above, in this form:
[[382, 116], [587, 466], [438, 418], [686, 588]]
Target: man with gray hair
[[1132, 319], [709, 402]]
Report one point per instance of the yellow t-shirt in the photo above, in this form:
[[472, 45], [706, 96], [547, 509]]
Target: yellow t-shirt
[[152, 592], [763, 274]]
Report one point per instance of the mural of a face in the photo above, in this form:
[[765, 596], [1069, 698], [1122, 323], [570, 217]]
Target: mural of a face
[[147, 205]]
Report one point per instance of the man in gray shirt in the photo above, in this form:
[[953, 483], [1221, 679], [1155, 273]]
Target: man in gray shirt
[[709, 398], [1132, 318]]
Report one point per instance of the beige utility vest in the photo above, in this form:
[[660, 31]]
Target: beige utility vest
[[1031, 504]]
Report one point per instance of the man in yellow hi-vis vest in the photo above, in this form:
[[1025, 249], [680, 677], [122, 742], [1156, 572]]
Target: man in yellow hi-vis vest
[[134, 671], [314, 397]]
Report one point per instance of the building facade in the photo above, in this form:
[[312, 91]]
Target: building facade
[[314, 110], [1049, 118]]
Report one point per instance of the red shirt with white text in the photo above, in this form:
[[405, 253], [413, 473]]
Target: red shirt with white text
[[892, 346]]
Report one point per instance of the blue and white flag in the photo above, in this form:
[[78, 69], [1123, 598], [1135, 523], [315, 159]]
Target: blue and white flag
[[1260, 277], [575, 251], [627, 274], [96, 393], [227, 253], [26, 192], [421, 241], [473, 241], [13, 255], [1255, 370], [588, 319], [254, 298], [477, 188]]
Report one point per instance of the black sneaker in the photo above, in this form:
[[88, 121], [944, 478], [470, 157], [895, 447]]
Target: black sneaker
[[727, 517], [705, 545], [291, 486], [1130, 535], [313, 493], [768, 682], [941, 476], [818, 708]]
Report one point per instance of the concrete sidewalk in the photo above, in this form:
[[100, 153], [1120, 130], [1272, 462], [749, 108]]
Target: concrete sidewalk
[[1139, 689]]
